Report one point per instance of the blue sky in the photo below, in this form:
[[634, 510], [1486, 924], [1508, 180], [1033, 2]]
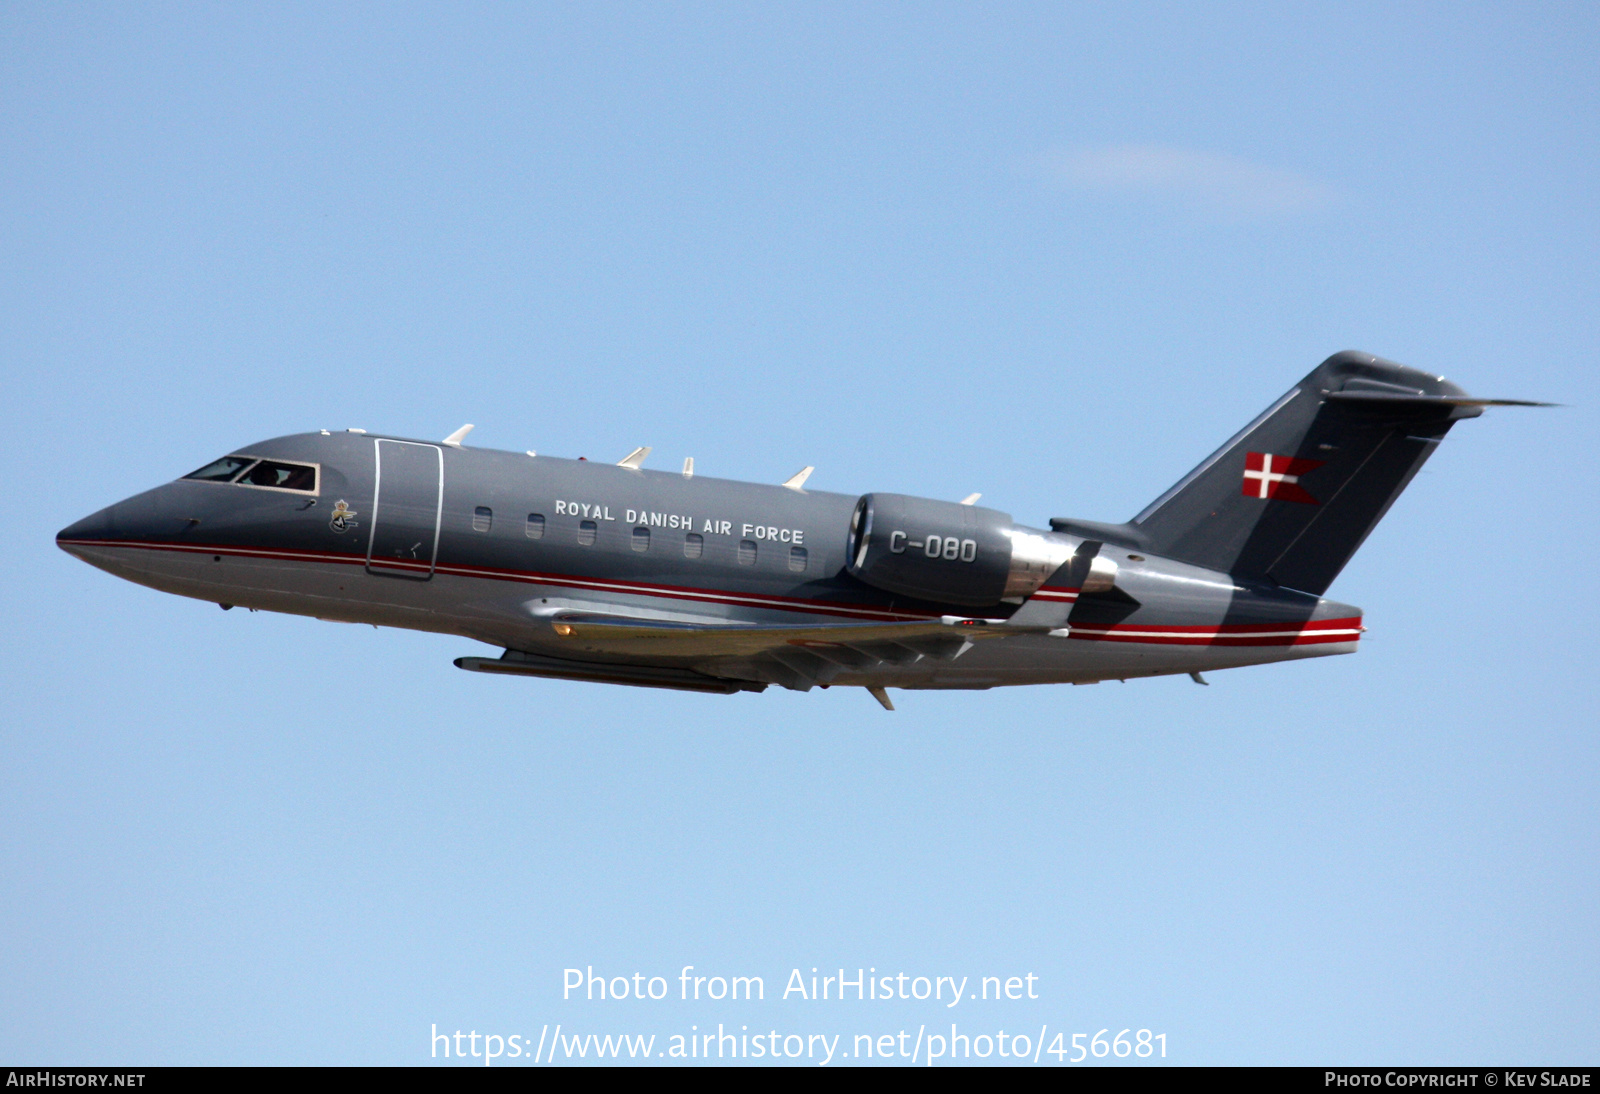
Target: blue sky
[[1050, 253]]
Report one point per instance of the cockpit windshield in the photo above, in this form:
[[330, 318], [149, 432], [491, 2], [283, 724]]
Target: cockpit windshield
[[221, 471], [250, 471]]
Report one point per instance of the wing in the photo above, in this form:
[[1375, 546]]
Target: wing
[[695, 641], [795, 657]]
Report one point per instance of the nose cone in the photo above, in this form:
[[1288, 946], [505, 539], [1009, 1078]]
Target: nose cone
[[94, 530], [113, 538], [96, 540]]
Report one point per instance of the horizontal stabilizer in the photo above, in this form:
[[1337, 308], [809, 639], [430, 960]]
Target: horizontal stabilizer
[[1378, 398]]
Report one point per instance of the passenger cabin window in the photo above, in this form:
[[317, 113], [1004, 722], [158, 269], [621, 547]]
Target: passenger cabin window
[[797, 559], [694, 545], [587, 530], [641, 539], [747, 552], [482, 518], [534, 529]]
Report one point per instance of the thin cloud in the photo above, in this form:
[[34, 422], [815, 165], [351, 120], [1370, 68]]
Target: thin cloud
[[1219, 184]]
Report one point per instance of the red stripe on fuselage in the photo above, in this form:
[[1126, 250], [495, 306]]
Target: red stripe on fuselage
[[532, 577], [1228, 634], [1056, 592]]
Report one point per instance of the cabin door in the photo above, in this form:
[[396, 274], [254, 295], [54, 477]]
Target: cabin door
[[408, 495]]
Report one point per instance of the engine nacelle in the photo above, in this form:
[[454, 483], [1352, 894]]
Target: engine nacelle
[[949, 553]]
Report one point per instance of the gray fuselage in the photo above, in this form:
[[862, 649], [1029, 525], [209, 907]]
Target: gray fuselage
[[501, 546]]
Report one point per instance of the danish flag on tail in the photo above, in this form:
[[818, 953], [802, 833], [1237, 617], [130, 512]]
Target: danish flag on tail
[[1277, 477], [1299, 521]]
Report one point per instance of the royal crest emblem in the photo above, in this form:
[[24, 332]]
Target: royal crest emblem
[[342, 514]]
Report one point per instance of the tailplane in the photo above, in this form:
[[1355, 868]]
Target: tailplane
[[1291, 497]]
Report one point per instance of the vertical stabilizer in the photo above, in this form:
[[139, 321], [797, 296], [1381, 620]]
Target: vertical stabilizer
[[1290, 498]]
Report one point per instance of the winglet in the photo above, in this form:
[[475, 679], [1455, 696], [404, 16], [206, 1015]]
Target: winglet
[[880, 695], [455, 439], [633, 459], [971, 499], [797, 480]]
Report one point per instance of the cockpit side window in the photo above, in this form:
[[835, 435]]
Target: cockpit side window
[[281, 476], [222, 470]]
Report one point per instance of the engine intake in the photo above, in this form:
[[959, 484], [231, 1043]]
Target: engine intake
[[949, 553]]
